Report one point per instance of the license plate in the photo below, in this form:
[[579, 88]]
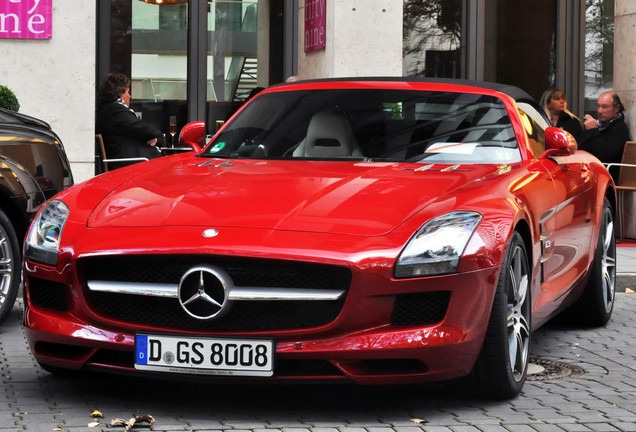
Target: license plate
[[204, 356]]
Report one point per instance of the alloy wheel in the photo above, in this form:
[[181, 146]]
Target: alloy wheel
[[608, 260], [6, 266], [518, 313]]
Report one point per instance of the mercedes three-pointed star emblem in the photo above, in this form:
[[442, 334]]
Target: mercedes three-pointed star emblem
[[203, 292]]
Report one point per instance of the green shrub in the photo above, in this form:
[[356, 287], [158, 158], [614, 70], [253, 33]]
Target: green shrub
[[8, 99]]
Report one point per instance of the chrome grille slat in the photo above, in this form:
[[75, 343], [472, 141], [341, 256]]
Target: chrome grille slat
[[236, 293]]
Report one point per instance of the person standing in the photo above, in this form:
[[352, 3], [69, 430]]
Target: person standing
[[124, 134], [606, 136], [556, 107]]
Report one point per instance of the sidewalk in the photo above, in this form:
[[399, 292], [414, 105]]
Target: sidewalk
[[625, 268]]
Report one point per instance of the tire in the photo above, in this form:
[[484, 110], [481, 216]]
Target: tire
[[501, 369], [594, 307], [10, 266]]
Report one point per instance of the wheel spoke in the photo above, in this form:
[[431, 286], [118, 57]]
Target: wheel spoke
[[518, 340], [608, 292], [608, 263], [518, 279], [513, 347], [609, 235], [609, 286]]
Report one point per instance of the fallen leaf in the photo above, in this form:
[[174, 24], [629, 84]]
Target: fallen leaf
[[133, 421], [93, 424], [57, 429], [418, 421], [629, 291], [97, 414]]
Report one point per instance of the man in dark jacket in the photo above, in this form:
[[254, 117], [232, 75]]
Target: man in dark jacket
[[124, 134], [605, 138]]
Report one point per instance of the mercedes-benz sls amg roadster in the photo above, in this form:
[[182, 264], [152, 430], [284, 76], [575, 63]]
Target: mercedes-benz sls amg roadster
[[379, 231]]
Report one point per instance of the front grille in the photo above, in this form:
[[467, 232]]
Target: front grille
[[420, 308], [47, 294], [245, 272]]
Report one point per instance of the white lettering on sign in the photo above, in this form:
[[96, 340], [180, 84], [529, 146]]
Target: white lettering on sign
[[3, 22], [27, 19], [315, 23], [35, 5], [36, 19]]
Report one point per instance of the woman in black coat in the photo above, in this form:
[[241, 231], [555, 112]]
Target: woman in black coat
[[556, 107], [124, 134]]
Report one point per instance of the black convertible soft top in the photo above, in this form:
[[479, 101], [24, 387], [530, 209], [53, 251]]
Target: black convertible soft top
[[514, 92]]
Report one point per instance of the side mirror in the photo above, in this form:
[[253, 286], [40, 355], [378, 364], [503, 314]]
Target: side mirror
[[193, 135], [558, 143]]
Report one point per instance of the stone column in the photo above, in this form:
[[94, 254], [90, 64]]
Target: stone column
[[625, 59], [363, 38]]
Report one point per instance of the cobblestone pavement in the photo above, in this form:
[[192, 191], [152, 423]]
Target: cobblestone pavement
[[601, 399]]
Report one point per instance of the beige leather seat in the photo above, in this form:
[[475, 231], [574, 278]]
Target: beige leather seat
[[329, 135]]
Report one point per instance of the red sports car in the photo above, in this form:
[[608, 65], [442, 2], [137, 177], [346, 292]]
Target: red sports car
[[372, 230]]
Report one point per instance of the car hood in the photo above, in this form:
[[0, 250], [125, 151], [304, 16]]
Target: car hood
[[335, 197]]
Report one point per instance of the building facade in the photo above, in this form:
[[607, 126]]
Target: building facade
[[199, 59]]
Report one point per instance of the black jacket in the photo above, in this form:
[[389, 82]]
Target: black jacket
[[572, 125], [607, 143], [124, 134]]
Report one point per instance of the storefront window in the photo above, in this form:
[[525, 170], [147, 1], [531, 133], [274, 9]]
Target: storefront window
[[232, 55], [599, 50], [148, 42], [432, 34], [159, 52], [192, 60]]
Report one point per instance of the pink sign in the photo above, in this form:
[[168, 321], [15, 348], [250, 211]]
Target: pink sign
[[25, 19], [315, 24]]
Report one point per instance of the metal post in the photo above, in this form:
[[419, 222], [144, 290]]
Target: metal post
[[197, 58]]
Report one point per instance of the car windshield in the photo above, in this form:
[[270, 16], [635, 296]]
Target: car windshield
[[371, 125]]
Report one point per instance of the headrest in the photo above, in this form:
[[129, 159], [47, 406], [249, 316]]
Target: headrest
[[328, 135]]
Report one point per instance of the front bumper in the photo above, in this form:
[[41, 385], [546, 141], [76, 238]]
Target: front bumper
[[361, 344]]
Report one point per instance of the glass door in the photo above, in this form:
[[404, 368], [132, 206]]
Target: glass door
[[192, 59], [232, 61], [158, 63], [148, 41]]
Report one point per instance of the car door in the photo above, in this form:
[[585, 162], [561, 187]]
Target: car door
[[567, 227]]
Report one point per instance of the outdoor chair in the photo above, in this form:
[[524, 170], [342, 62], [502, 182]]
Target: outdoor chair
[[100, 154], [626, 183]]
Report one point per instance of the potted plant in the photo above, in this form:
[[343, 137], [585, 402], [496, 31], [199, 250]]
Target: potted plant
[[8, 99]]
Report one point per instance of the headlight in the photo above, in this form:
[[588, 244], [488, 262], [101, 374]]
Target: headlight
[[43, 240], [437, 246]]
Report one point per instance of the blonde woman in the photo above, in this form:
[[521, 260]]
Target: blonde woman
[[556, 107]]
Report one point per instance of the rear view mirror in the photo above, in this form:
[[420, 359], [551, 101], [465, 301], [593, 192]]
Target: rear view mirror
[[558, 143]]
